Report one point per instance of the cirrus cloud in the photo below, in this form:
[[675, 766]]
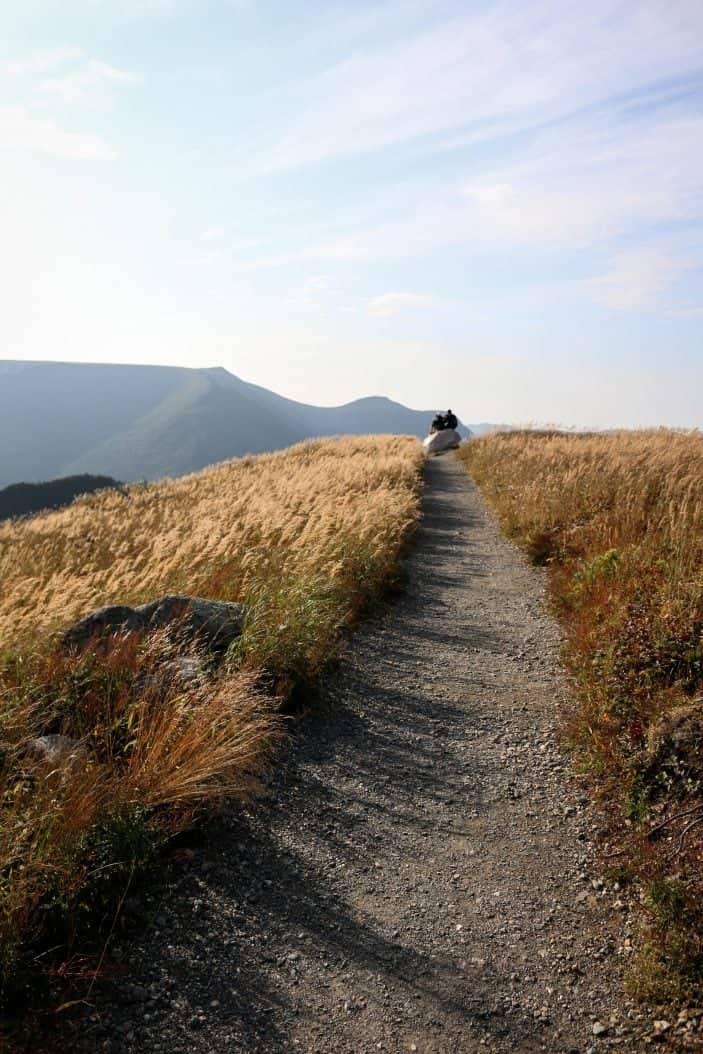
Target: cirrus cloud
[[496, 70], [636, 280], [83, 83], [39, 62], [525, 214], [21, 131], [388, 304]]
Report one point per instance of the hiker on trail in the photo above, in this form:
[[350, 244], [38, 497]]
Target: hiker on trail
[[450, 420], [438, 423]]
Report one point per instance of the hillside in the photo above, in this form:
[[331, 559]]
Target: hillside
[[147, 422], [22, 499]]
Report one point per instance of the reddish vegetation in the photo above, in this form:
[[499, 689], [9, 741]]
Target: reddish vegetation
[[618, 520]]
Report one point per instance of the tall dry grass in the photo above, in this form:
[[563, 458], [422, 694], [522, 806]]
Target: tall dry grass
[[305, 538], [319, 513], [618, 520]]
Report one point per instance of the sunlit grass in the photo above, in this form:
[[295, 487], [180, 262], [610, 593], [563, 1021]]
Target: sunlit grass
[[618, 520], [305, 538]]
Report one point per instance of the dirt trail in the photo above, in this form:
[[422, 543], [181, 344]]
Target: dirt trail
[[419, 878]]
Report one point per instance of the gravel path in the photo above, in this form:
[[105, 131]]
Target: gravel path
[[419, 878]]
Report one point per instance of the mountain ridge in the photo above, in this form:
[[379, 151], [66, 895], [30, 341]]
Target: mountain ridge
[[147, 422]]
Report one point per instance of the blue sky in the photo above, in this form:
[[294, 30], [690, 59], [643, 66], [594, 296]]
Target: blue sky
[[493, 205]]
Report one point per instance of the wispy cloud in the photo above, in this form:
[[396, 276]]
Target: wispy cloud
[[141, 8], [637, 280], [84, 82], [65, 75], [388, 304], [40, 62], [91, 8], [218, 249], [586, 184], [494, 71], [525, 214], [311, 291], [213, 234], [21, 131]]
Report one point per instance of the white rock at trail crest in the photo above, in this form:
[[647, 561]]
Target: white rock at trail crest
[[447, 439]]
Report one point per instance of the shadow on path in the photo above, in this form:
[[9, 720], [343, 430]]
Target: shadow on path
[[326, 918]]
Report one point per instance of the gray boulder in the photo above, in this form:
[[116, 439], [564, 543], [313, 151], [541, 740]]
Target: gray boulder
[[54, 747], [676, 743], [186, 670], [116, 618], [183, 672], [218, 622], [215, 623]]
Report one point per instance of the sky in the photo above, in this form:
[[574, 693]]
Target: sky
[[493, 205]]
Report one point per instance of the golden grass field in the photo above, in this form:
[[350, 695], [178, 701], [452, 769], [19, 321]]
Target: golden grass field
[[306, 538], [618, 520], [302, 518]]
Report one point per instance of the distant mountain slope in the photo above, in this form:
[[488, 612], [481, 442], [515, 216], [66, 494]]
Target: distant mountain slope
[[51, 413], [22, 499], [146, 422]]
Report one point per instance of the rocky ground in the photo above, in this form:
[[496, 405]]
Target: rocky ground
[[421, 876]]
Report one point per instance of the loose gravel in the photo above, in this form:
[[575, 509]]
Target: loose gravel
[[420, 876]]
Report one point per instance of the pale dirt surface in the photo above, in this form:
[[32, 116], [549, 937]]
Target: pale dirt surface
[[421, 876]]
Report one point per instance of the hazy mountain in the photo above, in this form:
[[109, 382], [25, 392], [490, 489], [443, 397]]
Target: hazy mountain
[[145, 422]]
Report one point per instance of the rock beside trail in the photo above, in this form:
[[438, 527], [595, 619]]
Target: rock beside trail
[[54, 747], [214, 622], [676, 742], [218, 622], [117, 618], [182, 672], [447, 439]]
